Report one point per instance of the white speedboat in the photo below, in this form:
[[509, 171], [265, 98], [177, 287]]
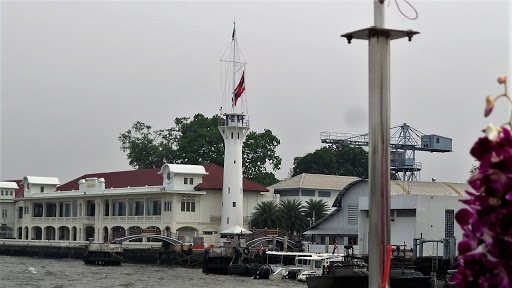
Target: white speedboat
[[277, 273], [302, 276]]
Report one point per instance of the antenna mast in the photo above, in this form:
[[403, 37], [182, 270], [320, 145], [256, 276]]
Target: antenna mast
[[234, 63]]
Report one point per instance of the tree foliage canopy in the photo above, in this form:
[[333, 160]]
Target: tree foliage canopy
[[289, 215], [198, 141], [316, 209], [146, 148], [334, 159], [265, 216], [293, 216], [259, 150]]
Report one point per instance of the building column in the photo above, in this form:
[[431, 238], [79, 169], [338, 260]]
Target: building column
[[97, 221], [98, 211], [79, 234], [57, 213], [43, 233], [23, 233], [29, 233], [145, 208]]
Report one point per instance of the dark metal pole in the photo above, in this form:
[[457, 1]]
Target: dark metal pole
[[379, 106], [379, 156]]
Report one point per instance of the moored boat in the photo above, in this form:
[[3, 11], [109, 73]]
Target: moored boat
[[399, 278], [305, 274]]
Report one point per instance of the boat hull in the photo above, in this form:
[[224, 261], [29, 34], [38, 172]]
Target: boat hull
[[237, 269], [361, 281]]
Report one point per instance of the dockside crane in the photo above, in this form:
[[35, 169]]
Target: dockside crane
[[404, 142]]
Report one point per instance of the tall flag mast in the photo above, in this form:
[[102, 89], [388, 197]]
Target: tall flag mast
[[233, 83], [234, 127], [379, 110]]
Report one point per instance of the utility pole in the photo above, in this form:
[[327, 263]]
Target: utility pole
[[379, 124]]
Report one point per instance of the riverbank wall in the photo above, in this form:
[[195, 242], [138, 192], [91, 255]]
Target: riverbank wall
[[138, 252]]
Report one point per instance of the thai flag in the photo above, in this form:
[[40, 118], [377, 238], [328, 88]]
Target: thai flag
[[335, 246], [261, 249], [239, 90]]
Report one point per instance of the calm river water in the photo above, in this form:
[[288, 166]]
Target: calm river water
[[16, 272]]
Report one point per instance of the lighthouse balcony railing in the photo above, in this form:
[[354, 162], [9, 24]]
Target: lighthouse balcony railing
[[233, 122]]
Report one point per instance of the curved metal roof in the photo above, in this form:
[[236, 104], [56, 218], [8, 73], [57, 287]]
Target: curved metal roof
[[9, 185], [429, 188], [41, 180], [315, 181], [183, 169]]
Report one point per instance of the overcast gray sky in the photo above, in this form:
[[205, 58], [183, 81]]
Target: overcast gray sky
[[76, 74]]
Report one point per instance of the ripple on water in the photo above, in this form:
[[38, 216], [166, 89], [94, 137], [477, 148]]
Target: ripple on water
[[71, 273]]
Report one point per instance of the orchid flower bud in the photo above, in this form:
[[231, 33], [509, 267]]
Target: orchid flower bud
[[492, 132], [502, 79], [489, 105]]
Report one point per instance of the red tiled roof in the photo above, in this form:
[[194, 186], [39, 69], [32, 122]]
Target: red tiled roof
[[150, 177], [215, 179], [120, 179], [18, 193]]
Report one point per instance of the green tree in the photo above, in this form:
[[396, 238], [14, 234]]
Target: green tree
[[259, 150], [198, 141], [148, 149], [318, 208], [293, 216], [334, 159], [265, 215]]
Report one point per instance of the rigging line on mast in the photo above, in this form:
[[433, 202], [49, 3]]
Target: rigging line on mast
[[222, 91], [227, 71], [231, 61], [227, 49], [240, 51], [238, 70], [245, 101]]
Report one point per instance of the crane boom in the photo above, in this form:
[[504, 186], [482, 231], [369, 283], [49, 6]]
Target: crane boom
[[404, 142]]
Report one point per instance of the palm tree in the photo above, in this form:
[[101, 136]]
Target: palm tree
[[316, 209], [292, 215], [265, 216]]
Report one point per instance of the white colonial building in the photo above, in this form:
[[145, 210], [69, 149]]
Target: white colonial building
[[182, 199], [7, 195]]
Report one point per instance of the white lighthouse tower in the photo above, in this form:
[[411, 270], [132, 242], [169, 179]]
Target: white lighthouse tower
[[234, 127]]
